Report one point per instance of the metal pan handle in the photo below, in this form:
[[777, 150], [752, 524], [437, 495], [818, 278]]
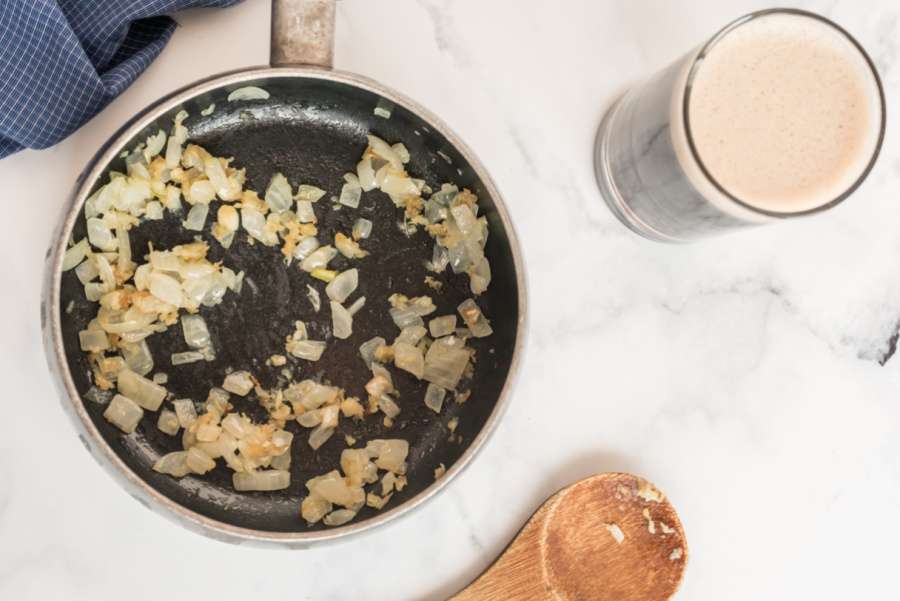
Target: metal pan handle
[[302, 33]]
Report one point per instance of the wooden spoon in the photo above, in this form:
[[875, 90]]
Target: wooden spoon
[[610, 537]]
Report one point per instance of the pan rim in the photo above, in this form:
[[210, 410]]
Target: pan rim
[[72, 402]]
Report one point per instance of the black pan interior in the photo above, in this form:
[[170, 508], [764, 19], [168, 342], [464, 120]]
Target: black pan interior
[[313, 131]]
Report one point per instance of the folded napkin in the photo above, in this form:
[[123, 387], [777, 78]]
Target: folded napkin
[[62, 61]]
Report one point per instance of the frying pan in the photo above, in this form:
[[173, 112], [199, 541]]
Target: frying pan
[[313, 129]]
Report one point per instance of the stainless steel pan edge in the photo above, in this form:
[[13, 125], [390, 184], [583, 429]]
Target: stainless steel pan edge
[[51, 315]]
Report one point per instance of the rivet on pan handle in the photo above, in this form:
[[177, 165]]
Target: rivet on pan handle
[[302, 33]]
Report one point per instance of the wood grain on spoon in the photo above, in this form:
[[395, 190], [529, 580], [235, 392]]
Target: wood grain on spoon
[[610, 537]]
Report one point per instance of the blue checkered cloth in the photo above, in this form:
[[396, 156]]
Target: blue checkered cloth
[[62, 61]]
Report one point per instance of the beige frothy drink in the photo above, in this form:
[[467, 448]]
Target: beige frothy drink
[[784, 113]]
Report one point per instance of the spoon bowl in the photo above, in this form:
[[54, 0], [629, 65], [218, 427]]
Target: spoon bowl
[[610, 537]]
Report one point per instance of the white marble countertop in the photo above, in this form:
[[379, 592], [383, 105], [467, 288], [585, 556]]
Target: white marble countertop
[[742, 375]]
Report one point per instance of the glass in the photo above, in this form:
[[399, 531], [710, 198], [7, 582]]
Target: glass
[[650, 172]]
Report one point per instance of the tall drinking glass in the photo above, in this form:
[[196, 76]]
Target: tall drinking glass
[[780, 115]]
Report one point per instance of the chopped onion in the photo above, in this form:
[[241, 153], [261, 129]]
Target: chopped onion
[[434, 211], [376, 502], [398, 185], [178, 137], [422, 305], [409, 358], [342, 321], [365, 174], [339, 517], [227, 216], [466, 221], [93, 341], [357, 305], [314, 508], [476, 321], [459, 257], [165, 288], [330, 415], [305, 212], [383, 149], [381, 382], [153, 210], [173, 464], [411, 335], [278, 195], [172, 200], [186, 412], [401, 151], [383, 108], [434, 397], [168, 422], [311, 350], [405, 317], [198, 461], [267, 480], [440, 258], [480, 276], [87, 272], [119, 322], [348, 247], [305, 247], [311, 394], [224, 444], [326, 275], [155, 144], [309, 193], [350, 195], [107, 275], [362, 229], [389, 454], [310, 419], [239, 383], [255, 223], [319, 436], [367, 349], [146, 393], [343, 285], [100, 235], [94, 290], [314, 299], [123, 413], [444, 364], [357, 467], [196, 217], [137, 357], [388, 482], [319, 258], [95, 395], [388, 406], [186, 357], [201, 191], [196, 334], [208, 110], [75, 254], [248, 93], [283, 461], [236, 425], [332, 487], [442, 326], [208, 432], [217, 400]]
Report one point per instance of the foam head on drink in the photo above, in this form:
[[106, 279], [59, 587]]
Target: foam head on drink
[[784, 112]]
